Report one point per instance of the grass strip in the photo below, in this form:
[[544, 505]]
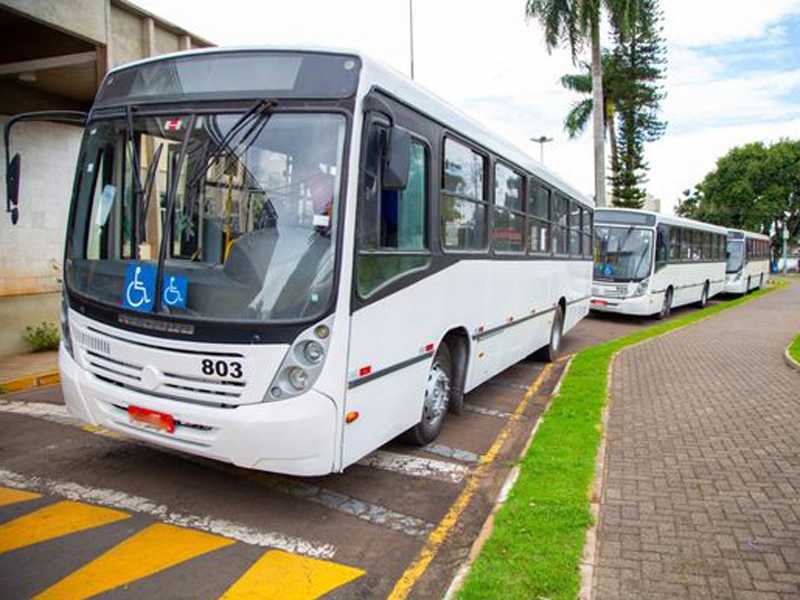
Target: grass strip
[[535, 547], [794, 349]]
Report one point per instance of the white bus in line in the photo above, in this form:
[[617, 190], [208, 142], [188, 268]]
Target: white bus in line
[[647, 264], [285, 258], [747, 266]]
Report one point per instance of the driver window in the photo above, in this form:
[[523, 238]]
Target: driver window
[[662, 249], [392, 223]]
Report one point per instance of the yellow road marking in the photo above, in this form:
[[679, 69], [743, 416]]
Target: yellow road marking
[[54, 521], [153, 549], [12, 496], [437, 537], [279, 575]]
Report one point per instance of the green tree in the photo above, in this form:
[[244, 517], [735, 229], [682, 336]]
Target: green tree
[[639, 59], [580, 113], [754, 187], [576, 24]]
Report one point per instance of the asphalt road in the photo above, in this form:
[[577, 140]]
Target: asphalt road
[[88, 512]]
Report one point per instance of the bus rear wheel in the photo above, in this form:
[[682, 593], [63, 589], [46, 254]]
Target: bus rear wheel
[[666, 307], [552, 351], [438, 389]]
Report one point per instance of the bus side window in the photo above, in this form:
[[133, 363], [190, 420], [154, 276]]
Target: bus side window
[[392, 224], [662, 248]]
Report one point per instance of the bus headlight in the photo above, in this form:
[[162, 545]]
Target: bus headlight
[[302, 364], [298, 378], [641, 289], [313, 352]]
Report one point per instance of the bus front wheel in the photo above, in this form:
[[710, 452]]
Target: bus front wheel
[[438, 388], [703, 297], [666, 307]]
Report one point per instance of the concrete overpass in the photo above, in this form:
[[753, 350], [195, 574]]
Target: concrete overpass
[[54, 54]]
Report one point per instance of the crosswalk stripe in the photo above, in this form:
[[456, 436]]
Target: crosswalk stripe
[[54, 521], [279, 575], [153, 549], [415, 466], [12, 496]]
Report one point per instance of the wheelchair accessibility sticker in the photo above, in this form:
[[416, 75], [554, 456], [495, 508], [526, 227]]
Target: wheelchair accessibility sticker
[[140, 287], [174, 291]]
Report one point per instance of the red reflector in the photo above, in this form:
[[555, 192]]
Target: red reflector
[[364, 371], [600, 302], [351, 416], [429, 348], [151, 418]]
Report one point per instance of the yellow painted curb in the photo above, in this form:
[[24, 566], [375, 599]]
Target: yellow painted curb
[[29, 382]]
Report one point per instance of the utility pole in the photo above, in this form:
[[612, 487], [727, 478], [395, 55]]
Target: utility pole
[[411, 33], [541, 140]]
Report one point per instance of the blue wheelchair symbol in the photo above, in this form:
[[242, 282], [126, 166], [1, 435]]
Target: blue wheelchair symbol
[[140, 285], [608, 271], [175, 289]]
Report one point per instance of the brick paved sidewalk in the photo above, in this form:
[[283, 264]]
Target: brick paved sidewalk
[[702, 484]]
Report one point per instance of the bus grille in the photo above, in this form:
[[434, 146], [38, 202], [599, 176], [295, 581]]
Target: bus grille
[[174, 386]]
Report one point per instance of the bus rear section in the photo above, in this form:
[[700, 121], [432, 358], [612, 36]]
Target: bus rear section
[[747, 264], [646, 264]]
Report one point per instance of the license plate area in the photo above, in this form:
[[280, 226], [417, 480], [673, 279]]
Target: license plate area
[[151, 419], [600, 302]]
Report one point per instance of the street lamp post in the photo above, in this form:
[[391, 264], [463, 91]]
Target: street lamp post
[[541, 140]]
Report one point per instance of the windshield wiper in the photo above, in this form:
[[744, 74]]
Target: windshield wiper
[[166, 226], [145, 200], [259, 114]]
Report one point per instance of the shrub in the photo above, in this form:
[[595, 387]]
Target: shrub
[[44, 336]]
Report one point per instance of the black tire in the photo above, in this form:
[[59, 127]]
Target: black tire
[[761, 281], [552, 351], [434, 408], [666, 307], [703, 302], [747, 291]]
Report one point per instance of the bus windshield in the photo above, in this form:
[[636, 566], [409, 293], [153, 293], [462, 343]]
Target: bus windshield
[[622, 253], [254, 222], [735, 260]]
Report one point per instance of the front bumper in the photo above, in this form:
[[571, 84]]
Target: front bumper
[[640, 306], [295, 436], [736, 287]]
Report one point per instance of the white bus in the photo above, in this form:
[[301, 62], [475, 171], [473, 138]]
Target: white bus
[[285, 258], [747, 265], [647, 263]]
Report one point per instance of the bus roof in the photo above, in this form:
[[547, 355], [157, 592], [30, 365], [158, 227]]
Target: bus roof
[[750, 234], [375, 74], [669, 220]]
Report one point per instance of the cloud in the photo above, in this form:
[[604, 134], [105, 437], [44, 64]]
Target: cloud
[[733, 75]]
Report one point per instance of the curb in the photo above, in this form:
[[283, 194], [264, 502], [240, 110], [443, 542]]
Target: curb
[[28, 382], [789, 360]]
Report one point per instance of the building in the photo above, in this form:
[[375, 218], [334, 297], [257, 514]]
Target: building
[[652, 203], [54, 55]]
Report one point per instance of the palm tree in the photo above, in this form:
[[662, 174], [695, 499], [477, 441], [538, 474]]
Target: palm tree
[[581, 83], [576, 23]]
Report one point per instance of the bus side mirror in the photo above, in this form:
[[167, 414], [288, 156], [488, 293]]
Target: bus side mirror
[[397, 160], [12, 187]]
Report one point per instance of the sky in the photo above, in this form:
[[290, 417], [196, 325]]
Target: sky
[[733, 73]]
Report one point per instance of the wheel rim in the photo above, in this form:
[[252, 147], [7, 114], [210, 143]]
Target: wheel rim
[[667, 302], [437, 396]]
